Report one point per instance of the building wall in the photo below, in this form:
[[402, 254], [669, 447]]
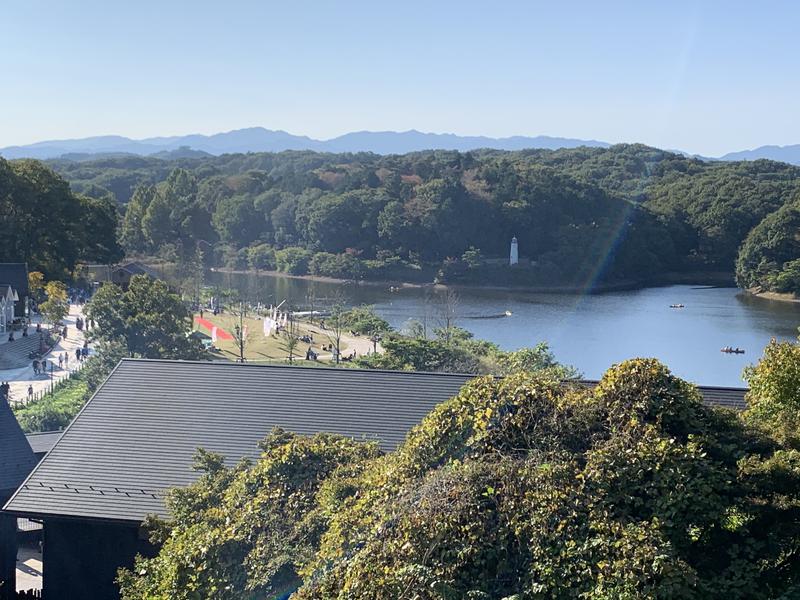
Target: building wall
[[6, 314], [80, 558], [8, 552]]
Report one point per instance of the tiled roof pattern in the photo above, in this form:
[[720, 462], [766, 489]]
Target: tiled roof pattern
[[16, 457], [42, 442], [136, 438]]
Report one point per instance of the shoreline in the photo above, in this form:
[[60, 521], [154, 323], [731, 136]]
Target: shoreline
[[787, 297], [711, 279]]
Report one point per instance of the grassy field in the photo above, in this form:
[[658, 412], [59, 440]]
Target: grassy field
[[259, 347]]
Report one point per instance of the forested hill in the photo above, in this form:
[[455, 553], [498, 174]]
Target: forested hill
[[582, 215]]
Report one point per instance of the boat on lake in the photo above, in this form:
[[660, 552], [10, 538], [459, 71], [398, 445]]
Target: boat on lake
[[729, 350]]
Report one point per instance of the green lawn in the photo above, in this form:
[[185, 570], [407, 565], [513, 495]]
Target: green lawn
[[261, 348]]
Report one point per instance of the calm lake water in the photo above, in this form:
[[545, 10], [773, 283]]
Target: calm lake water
[[590, 332]]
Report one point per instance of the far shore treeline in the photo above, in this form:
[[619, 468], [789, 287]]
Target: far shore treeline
[[583, 216]]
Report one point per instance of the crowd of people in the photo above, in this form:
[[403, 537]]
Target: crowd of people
[[46, 366]]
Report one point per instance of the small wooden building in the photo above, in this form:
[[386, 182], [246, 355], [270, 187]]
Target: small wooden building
[[119, 274], [17, 460]]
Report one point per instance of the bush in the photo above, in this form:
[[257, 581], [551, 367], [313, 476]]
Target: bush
[[54, 411]]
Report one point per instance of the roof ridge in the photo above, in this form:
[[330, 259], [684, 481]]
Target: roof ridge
[[331, 369]]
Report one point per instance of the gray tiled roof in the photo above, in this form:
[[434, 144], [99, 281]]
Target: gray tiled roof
[[16, 457], [137, 436], [137, 268], [721, 397], [42, 442]]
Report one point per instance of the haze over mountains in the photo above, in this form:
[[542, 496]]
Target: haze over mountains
[[258, 139]]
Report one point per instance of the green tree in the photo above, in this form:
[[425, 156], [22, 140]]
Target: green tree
[[773, 398], [157, 222], [148, 320], [261, 257], [52, 227], [364, 320], [293, 260], [768, 257], [132, 235]]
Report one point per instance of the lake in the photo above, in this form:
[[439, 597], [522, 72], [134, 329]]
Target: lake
[[590, 332]]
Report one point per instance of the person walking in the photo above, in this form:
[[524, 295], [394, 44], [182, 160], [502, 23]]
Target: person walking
[[35, 367], [66, 361], [60, 362], [30, 392], [78, 354]]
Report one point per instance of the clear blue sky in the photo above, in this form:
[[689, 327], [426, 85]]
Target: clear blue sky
[[706, 77]]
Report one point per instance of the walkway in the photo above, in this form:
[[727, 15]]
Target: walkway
[[22, 377], [29, 569]]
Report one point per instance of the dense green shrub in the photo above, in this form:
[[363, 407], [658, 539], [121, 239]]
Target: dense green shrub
[[54, 411], [516, 488]]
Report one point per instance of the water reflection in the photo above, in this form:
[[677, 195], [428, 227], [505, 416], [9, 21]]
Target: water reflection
[[590, 332]]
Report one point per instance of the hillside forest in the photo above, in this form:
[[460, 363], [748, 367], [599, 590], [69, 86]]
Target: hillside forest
[[584, 217]]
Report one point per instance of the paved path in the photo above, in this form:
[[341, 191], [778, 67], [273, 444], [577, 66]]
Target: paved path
[[29, 569], [21, 378]]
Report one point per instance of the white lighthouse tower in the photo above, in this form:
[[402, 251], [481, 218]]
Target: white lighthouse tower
[[514, 258]]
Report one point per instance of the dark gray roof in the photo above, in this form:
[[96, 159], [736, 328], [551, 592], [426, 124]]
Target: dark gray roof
[[43, 442], [16, 457], [721, 397], [16, 275], [137, 436], [137, 268]]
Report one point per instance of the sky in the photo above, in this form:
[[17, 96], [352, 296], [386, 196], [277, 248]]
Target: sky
[[703, 77]]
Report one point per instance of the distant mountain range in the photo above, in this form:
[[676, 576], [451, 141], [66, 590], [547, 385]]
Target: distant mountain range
[[258, 139], [788, 154]]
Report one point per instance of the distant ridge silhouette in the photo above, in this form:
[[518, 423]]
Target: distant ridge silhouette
[[259, 139]]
